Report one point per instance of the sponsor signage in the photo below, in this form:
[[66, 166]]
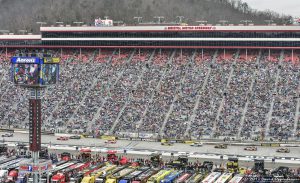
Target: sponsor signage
[[51, 60], [190, 28], [25, 60]]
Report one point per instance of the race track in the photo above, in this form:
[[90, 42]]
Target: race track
[[156, 146]]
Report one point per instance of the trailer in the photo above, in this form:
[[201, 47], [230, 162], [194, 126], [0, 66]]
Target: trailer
[[211, 178], [171, 177], [130, 178], [114, 178], [145, 175], [159, 176]]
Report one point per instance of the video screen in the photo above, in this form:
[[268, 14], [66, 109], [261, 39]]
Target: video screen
[[49, 74], [27, 74]]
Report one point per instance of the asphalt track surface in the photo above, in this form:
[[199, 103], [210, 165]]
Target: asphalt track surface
[[156, 146]]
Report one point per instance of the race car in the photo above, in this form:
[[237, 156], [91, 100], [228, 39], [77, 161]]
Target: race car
[[75, 137], [283, 150], [197, 144], [110, 141], [221, 146], [8, 135], [63, 138], [167, 143], [250, 148]]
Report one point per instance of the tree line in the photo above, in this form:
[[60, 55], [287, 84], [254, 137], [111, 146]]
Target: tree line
[[16, 14]]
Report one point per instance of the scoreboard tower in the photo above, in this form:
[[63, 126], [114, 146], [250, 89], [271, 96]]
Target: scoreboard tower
[[35, 73]]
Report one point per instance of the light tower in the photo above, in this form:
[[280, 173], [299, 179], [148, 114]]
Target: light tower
[[35, 73]]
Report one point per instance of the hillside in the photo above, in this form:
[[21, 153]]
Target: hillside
[[16, 14]]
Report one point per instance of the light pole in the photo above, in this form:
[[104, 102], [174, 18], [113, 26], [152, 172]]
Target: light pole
[[139, 19], [78, 23], [41, 23], [246, 21], [159, 18], [201, 22], [4, 31], [180, 18], [22, 31], [118, 22], [223, 22]]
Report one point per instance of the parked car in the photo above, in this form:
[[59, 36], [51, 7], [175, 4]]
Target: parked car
[[63, 138], [250, 148], [8, 135]]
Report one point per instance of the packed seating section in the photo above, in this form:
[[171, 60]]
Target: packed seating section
[[172, 93]]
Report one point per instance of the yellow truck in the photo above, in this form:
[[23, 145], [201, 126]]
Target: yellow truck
[[156, 178], [97, 173], [114, 178]]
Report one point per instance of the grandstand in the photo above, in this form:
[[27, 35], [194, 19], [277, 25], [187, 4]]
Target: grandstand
[[174, 82]]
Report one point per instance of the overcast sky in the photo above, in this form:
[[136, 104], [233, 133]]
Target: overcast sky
[[290, 7]]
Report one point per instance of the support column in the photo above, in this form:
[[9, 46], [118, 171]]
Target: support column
[[61, 53], [6, 53], [80, 54], [35, 128], [202, 54], [269, 55], [246, 54], [181, 53], [139, 52], [292, 56]]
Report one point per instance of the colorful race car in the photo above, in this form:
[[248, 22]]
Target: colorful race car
[[63, 138], [221, 146], [197, 144], [250, 148], [75, 137], [167, 143], [110, 141], [283, 150]]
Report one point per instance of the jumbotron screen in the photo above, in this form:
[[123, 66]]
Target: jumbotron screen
[[33, 71], [49, 74]]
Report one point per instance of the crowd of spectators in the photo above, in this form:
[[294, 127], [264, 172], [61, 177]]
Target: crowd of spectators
[[171, 93]]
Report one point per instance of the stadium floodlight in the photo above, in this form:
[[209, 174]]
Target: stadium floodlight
[[4, 31], [159, 18], [78, 23], [201, 22], [246, 21], [118, 22], [269, 21], [138, 19], [223, 22], [41, 23], [22, 31], [180, 18], [60, 24]]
